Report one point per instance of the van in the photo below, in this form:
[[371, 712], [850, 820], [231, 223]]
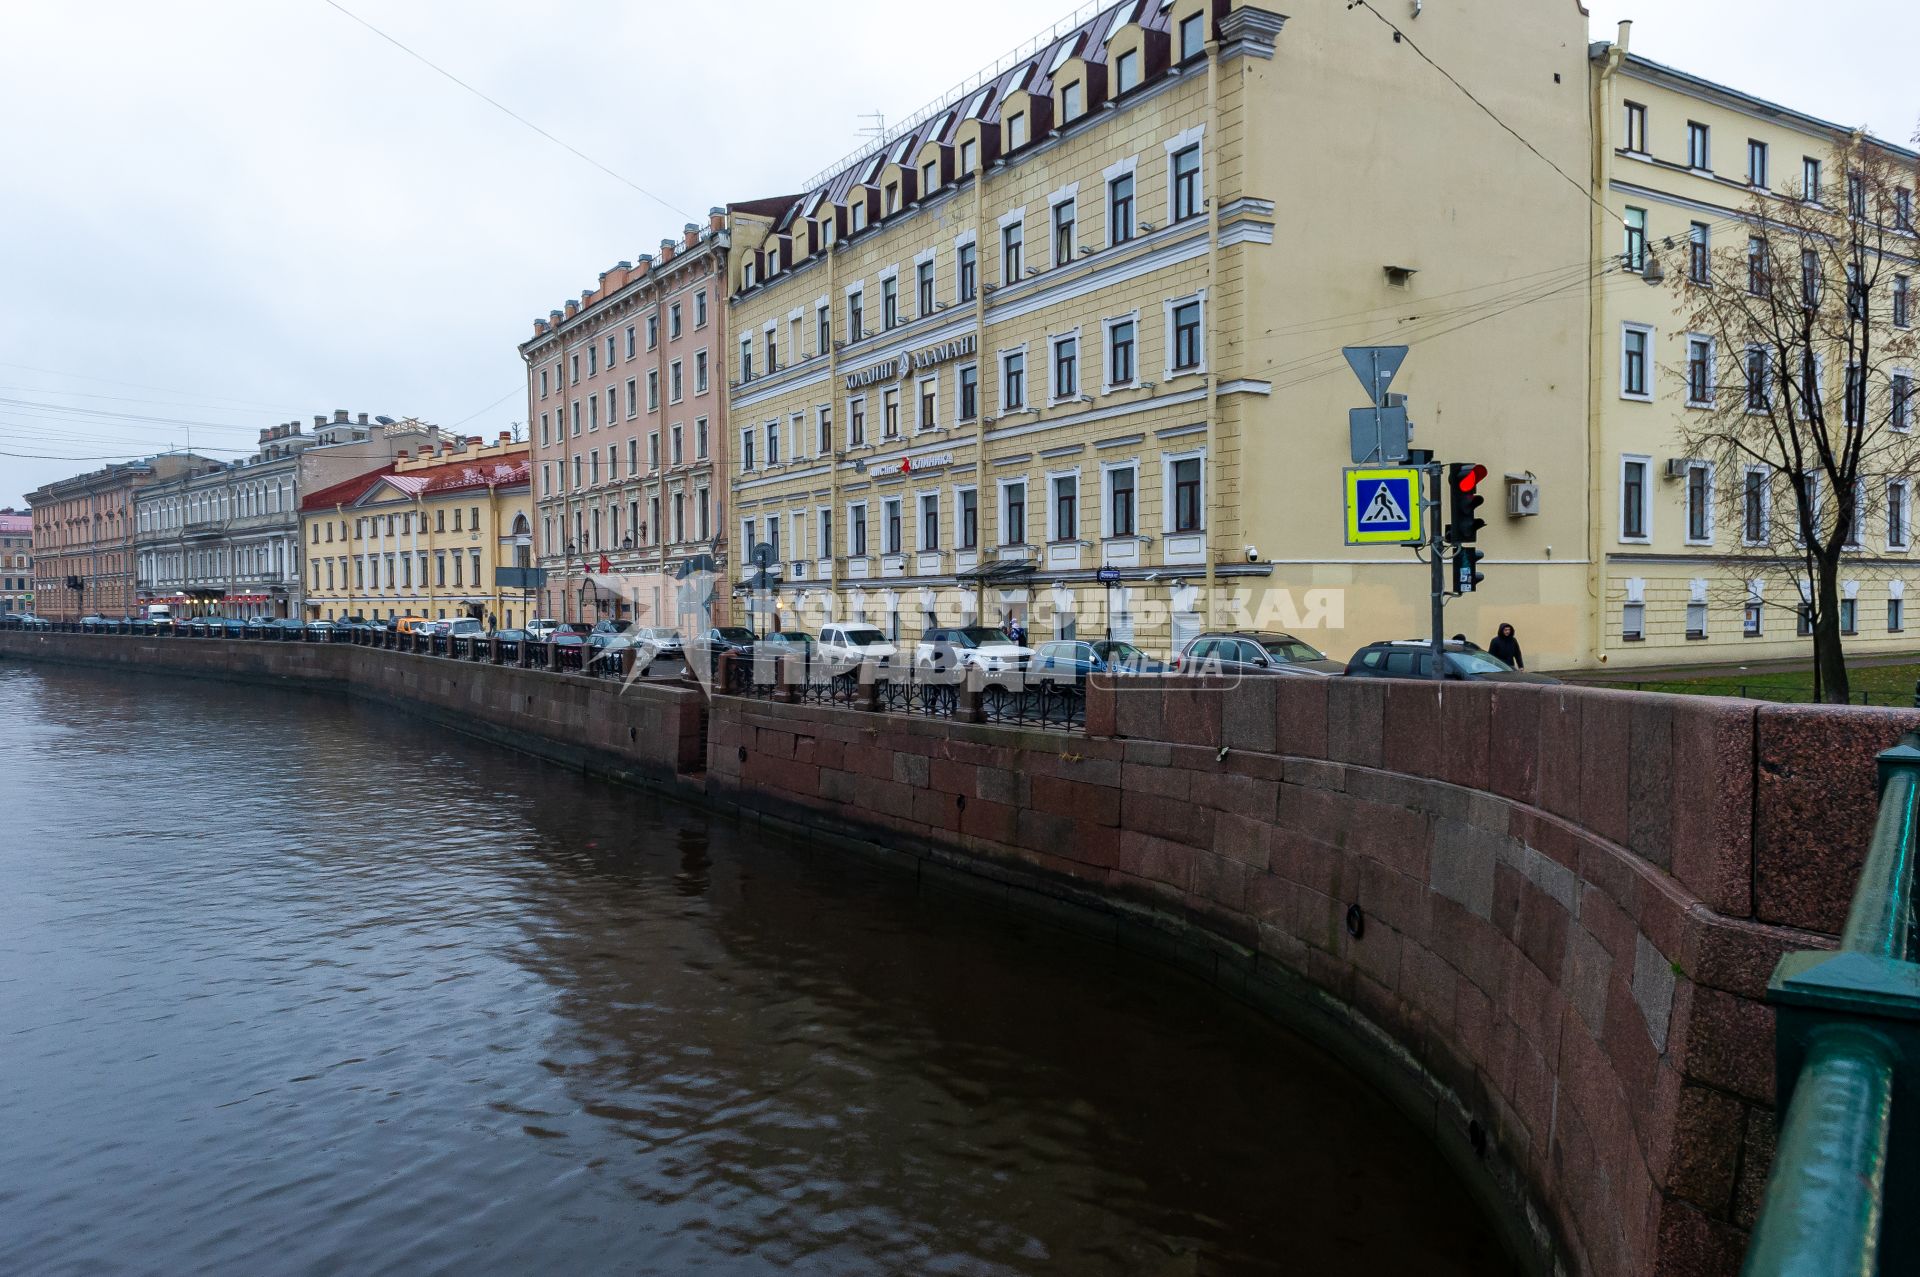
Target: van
[[160, 616], [408, 624]]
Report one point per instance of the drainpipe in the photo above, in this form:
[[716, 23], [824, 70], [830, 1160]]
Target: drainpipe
[[842, 426], [1599, 126], [1210, 151], [989, 375]]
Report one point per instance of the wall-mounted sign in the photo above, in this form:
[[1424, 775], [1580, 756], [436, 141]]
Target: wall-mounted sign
[[901, 364], [907, 465]]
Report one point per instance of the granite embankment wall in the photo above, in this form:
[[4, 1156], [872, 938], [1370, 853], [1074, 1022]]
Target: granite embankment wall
[[1541, 918], [1544, 917]]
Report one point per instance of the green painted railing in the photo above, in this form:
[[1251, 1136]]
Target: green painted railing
[[1842, 1197]]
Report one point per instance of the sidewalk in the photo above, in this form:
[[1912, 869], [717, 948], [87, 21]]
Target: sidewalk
[[1684, 673]]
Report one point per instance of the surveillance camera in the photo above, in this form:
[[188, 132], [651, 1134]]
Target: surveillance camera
[[1253, 554]]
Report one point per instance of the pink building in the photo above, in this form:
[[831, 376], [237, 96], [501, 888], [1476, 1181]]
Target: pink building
[[626, 411]]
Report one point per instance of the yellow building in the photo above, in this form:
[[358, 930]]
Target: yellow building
[[1685, 557], [1066, 347], [426, 536]]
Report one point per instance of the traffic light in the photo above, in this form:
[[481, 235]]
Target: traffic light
[[1466, 569], [1463, 497]]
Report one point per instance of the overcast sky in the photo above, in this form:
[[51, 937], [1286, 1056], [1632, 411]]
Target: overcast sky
[[218, 215]]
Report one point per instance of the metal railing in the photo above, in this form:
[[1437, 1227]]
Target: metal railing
[[1012, 698], [1847, 1059]]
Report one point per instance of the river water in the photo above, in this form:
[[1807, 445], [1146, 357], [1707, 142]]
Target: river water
[[295, 985]]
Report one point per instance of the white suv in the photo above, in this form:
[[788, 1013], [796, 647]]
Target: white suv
[[541, 628], [849, 644], [981, 647]]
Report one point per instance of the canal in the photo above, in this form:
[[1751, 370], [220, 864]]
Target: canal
[[290, 984]]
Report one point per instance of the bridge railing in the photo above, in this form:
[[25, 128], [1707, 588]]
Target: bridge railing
[[1842, 1195]]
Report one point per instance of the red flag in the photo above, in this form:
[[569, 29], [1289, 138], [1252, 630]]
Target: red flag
[[606, 565]]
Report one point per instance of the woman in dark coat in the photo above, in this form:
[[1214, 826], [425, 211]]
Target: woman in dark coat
[[1505, 647]]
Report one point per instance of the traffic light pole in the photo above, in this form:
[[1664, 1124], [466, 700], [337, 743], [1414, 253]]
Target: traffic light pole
[[1437, 566]]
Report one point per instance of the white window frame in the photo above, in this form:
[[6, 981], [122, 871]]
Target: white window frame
[[1018, 217], [1905, 488], [959, 491], [1079, 508], [920, 496], [1000, 520], [858, 508], [1127, 167], [1766, 505], [1713, 371], [1646, 500], [1894, 377], [1194, 137], [1026, 379], [1169, 305], [1054, 341], [919, 397], [1068, 194], [1707, 496], [1168, 460], [1627, 328], [1106, 350], [1107, 470]]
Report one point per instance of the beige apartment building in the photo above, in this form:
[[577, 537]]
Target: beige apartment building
[[1066, 348], [1684, 560]]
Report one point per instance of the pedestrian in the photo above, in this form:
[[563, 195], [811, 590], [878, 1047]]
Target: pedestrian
[[1505, 647]]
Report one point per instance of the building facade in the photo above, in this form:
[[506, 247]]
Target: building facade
[[16, 561], [224, 537], [83, 537], [626, 412], [1686, 555], [1066, 349], [424, 536]]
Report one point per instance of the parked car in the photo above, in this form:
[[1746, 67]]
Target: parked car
[[464, 627], [320, 628], [1070, 660], [663, 640], [285, 627], [852, 643], [795, 643], [982, 647], [540, 626], [1253, 652], [605, 631], [737, 639], [94, 622], [1413, 658]]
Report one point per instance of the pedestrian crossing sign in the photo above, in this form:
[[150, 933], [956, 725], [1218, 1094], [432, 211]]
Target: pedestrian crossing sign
[[1383, 505]]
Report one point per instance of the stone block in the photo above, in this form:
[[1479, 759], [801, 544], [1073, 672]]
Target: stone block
[[1690, 1244], [1707, 1134], [1102, 711], [995, 822], [1756, 1163], [1164, 781], [1513, 742], [1194, 712], [1730, 1044], [1141, 712], [1461, 866], [1584, 976], [1712, 785], [1246, 839], [1650, 773], [1300, 716], [1412, 742], [1250, 716], [1466, 713], [1816, 805], [1356, 719], [1605, 743], [1560, 752], [1156, 860], [1653, 981]]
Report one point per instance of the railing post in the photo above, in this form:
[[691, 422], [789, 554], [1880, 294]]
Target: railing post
[[968, 706], [553, 655]]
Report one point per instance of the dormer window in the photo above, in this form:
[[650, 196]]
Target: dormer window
[[1016, 130], [969, 156], [747, 273], [1193, 36], [929, 177], [1126, 71], [857, 215], [893, 197], [1071, 101]]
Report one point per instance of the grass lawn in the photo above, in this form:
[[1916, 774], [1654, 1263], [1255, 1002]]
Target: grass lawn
[[1869, 685]]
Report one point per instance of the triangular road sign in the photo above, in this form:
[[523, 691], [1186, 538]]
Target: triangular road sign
[[1383, 508], [1375, 366]]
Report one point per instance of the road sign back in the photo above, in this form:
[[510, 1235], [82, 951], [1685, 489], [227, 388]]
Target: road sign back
[[1375, 367], [1383, 505], [1378, 434]]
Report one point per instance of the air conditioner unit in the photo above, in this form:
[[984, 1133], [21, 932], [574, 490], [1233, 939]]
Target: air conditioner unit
[[1677, 467], [1523, 499]]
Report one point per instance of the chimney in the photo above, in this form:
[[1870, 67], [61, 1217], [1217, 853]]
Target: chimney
[[400, 455], [506, 437], [586, 295], [624, 266], [1624, 41], [717, 219], [476, 441], [363, 418], [691, 234], [554, 317], [319, 421], [339, 416], [573, 308]]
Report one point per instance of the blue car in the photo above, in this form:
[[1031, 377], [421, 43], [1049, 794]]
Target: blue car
[[1070, 660]]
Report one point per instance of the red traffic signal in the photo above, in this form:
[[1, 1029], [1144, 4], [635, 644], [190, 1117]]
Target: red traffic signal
[[1464, 500], [1466, 478]]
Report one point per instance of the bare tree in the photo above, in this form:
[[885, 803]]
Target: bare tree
[[1809, 310]]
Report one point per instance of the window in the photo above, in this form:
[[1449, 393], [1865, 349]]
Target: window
[[700, 372], [1185, 318], [1897, 521], [1759, 271], [1699, 257], [1013, 514], [610, 355], [856, 422], [969, 531], [773, 443], [1759, 379], [1750, 621], [823, 430], [1698, 154], [1634, 515], [1126, 71], [1634, 255], [675, 383], [1696, 619], [966, 273], [1013, 381], [1633, 622], [673, 320], [1063, 221], [1699, 503], [1066, 507], [772, 341], [746, 448], [1810, 279], [1072, 102], [1193, 36], [826, 531], [890, 414], [1856, 195], [1066, 368], [857, 529], [856, 315], [573, 362], [1012, 244], [1854, 407], [700, 309], [1188, 515], [1636, 342], [1016, 130], [857, 212], [1849, 616], [1900, 401], [593, 360], [1756, 163], [1903, 209], [1700, 384], [653, 389], [1636, 128], [929, 178], [969, 392], [1120, 227], [889, 302], [890, 529], [633, 457], [1186, 182], [929, 404], [1120, 502], [1810, 180], [929, 521], [969, 155], [1120, 360], [1896, 614], [653, 331], [923, 289], [746, 359]]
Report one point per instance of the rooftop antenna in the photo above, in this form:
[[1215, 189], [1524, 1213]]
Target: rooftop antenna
[[877, 131]]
